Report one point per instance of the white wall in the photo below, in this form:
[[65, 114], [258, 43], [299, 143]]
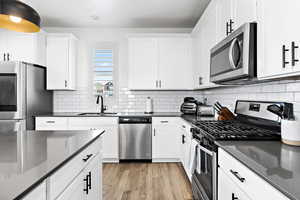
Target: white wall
[[83, 99]]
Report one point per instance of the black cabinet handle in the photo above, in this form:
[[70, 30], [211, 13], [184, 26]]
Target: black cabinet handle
[[294, 60], [4, 56], [236, 174], [8, 57], [231, 22], [233, 197], [86, 189], [66, 84], [89, 181], [227, 29], [183, 139], [87, 157], [284, 62]]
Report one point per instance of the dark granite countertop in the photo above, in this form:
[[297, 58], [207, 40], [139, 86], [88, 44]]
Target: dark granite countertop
[[277, 163], [27, 158], [121, 114]]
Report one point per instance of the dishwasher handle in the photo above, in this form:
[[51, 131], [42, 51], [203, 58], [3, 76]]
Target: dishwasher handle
[[135, 120]]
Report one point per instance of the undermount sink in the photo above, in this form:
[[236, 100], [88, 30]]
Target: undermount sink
[[99, 114]]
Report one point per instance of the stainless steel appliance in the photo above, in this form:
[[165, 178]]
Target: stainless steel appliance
[[135, 138], [205, 110], [254, 121], [189, 106], [23, 93], [234, 60]]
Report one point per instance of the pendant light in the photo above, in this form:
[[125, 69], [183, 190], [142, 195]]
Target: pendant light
[[17, 16]]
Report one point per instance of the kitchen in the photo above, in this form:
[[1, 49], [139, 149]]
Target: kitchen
[[110, 113]]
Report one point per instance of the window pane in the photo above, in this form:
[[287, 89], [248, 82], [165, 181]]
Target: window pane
[[103, 71]]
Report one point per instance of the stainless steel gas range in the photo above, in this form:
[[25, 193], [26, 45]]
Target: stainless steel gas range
[[254, 120]]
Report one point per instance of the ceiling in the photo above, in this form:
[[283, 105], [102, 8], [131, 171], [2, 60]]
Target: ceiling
[[119, 13]]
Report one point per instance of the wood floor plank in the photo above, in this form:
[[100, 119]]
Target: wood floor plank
[[145, 181]]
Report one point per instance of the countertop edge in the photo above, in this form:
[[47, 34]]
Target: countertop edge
[[38, 182], [279, 188]]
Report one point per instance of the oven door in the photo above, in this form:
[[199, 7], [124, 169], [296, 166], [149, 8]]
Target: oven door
[[234, 57], [12, 87], [204, 181]]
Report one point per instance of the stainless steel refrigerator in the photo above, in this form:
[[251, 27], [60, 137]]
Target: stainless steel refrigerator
[[23, 95]]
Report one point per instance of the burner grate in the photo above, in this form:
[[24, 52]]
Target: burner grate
[[234, 130]]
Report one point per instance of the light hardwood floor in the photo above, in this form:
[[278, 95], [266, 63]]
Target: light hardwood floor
[[145, 181]]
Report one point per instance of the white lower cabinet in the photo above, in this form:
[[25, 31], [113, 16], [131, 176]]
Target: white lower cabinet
[[186, 141], [227, 190], [82, 183], [38, 193], [75, 190], [243, 179], [109, 124], [165, 139]]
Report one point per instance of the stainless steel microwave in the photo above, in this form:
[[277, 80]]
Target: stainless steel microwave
[[234, 60]]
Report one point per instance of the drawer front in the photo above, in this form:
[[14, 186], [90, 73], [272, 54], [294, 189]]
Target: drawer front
[[60, 180], [165, 120], [51, 123], [86, 123], [247, 180], [227, 189]]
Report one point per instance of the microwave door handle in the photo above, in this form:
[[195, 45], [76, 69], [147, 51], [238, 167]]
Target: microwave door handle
[[231, 61]]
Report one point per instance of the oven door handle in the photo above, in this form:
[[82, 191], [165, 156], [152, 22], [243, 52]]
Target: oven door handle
[[211, 153]]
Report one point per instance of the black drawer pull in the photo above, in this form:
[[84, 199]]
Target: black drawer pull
[[90, 180], [294, 60], [50, 122], [284, 62], [86, 180], [233, 197], [87, 157], [236, 174], [183, 139]]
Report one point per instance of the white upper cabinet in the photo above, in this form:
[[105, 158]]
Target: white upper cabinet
[[224, 15], [204, 38], [232, 14], [61, 61], [160, 63], [277, 54], [142, 63], [25, 47], [175, 63]]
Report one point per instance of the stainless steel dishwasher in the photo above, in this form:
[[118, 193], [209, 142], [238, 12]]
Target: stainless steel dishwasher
[[135, 139]]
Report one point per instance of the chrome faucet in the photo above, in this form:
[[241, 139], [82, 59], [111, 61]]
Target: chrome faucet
[[103, 108]]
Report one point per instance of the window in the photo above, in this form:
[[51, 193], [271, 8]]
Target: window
[[103, 61]]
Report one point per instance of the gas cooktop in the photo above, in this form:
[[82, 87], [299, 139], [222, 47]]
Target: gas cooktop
[[235, 130]]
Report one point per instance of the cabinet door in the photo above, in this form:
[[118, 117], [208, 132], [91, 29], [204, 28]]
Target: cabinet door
[[57, 62], [272, 34], [110, 137], [75, 190], [92, 173], [243, 12], [227, 190], [142, 63], [166, 142], [3, 44], [37, 193], [207, 42], [224, 15], [175, 63]]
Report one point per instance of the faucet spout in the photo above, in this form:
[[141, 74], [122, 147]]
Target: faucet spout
[[100, 98]]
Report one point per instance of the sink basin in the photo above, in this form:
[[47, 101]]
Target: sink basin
[[98, 114]]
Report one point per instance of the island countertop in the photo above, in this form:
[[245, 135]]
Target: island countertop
[[28, 157], [275, 162]]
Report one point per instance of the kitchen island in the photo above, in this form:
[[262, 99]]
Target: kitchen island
[[31, 161]]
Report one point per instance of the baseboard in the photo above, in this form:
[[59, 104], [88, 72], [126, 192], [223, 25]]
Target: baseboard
[[165, 160], [110, 160]]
